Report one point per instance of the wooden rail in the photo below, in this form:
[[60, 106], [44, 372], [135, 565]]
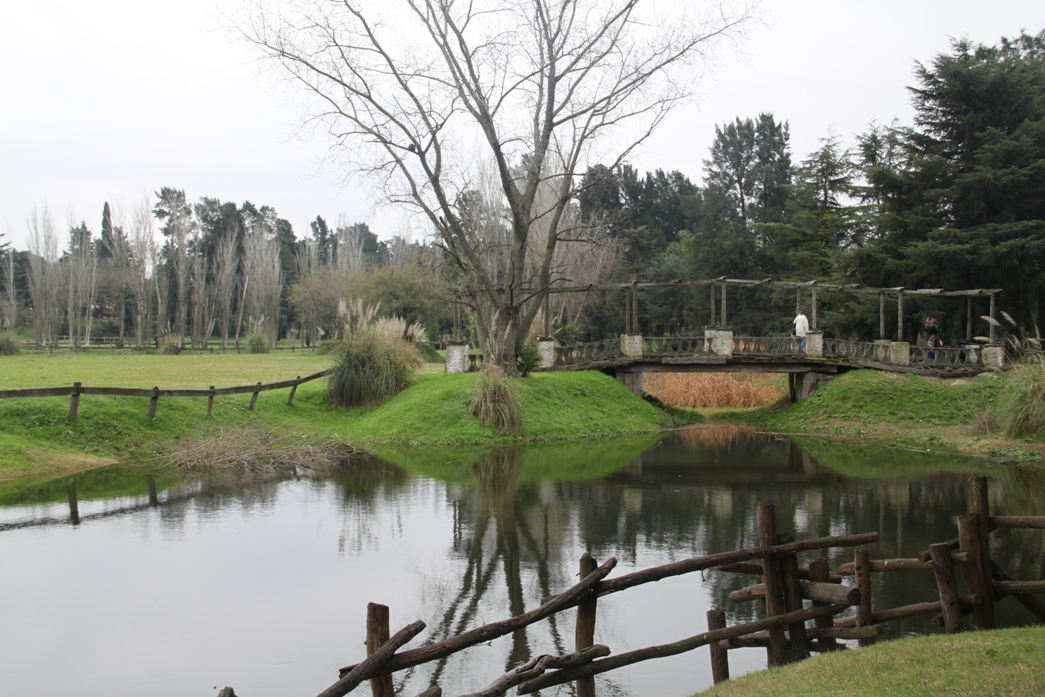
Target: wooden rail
[[76, 389], [785, 586]]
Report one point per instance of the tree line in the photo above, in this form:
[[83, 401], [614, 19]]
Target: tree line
[[955, 200]]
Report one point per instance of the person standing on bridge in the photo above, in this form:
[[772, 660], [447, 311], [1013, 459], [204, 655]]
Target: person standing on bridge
[[801, 329]]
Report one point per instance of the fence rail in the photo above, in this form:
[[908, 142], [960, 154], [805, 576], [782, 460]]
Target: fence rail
[[76, 389], [784, 588]]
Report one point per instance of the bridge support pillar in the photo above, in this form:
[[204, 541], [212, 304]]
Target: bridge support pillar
[[633, 381], [815, 343], [721, 341], [456, 357], [631, 345], [899, 353], [993, 356], [546, 350], [801, 385]]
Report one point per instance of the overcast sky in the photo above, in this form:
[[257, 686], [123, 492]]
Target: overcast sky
[[107, 99]]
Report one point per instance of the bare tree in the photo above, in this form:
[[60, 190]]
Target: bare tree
[[45, 276], [10, 313], [224, 286], [141, 251], [263, 274], [416, 92]]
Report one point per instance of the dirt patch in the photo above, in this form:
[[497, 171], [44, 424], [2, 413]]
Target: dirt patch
[[259, 452]]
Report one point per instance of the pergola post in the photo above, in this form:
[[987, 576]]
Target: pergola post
[[813, 317], [994, 330], [635, 308], [798, 301], [712, 286], [968, 318], [881, 316], [899, 315], [627, 310], [724, 322]]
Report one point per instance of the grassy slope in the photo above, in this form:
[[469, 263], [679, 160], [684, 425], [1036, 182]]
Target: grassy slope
[[1009, 662], [35, 437]]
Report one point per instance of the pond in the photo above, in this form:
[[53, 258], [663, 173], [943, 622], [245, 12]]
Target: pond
[[168, 587]]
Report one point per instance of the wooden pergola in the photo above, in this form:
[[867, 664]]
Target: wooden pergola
[[722, 284]]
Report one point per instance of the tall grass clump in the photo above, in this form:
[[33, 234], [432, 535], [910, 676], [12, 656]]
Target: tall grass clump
[[1021, 408], [375, 359], [170, 346], [257, 343], [495, 403], [8, 345]]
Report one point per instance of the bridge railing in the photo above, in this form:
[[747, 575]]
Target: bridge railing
[[583, 353], [943, 357], [675, 345], [855, 350], [765, 346]]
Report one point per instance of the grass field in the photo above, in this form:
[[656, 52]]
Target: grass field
[[37, 439], [1005, 662]]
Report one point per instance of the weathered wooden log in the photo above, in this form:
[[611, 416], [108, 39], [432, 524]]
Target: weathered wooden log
[[1018, 521], [536, 667], [253, 402], [755, 569], [487, 632], [904, 611], [210, 402], [74, 401], [375, 663], [765, 514], [1023, 587], [829, 593], [1034, 605], [796, 633], [819, 572], [977, 570], [584, 633], [760, 640], [154, 397], [432, 692], [951, 545], [377, 633], [227, 692], [293, 389], [864, 614], [947, 586], [675, 648], [912, 564], [657, 573], [719, 655], [832, 633]]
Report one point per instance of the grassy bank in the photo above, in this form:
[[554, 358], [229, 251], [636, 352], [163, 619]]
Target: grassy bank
[[1008, 662], [906, 410], [36, 438]]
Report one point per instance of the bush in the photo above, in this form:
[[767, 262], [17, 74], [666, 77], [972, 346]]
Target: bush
[[495, 403], [9, 346], [527, 359], [370, 369], [170, 346], [1021, 409], [257, 343]]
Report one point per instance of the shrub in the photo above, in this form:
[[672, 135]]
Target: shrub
[[8, 346], [527, 359], [374, 361], [170, 346], [1021, 409], [257, 343], [495, 403]]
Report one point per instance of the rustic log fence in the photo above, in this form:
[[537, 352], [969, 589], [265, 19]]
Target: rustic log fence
[[785, 586], [76, 389]]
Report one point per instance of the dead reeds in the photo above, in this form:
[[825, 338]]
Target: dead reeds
[[707, 390], [257, 451]]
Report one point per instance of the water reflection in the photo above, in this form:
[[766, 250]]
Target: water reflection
[[457, 538]]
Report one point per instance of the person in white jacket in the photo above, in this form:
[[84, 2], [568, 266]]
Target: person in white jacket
[[801, 329]]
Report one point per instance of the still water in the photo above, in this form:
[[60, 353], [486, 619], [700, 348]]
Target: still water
[[166, 587]]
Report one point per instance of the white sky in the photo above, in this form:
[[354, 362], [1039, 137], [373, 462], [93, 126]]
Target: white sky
[[107, 99]]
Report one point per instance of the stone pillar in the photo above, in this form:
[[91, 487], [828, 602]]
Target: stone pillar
[[899, 353], [456, 357], [815, 343], [633, 381], [631, 345], [993, 356], [881, 350], [722, 342], [546, 349]]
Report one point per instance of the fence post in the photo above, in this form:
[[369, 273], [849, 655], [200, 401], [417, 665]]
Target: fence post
[[793, 601], [150, 481], [210, 402], [377, 633], [585, 629], [74, 401], [977, 569], [254, 396], [719, 655], [820, 572], [864, 613], [766, 514], [74, 504], [152, 402], [293, 389], [940, 553]]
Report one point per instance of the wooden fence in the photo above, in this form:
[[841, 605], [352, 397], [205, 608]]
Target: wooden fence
[[784, 588], [76, 389]]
